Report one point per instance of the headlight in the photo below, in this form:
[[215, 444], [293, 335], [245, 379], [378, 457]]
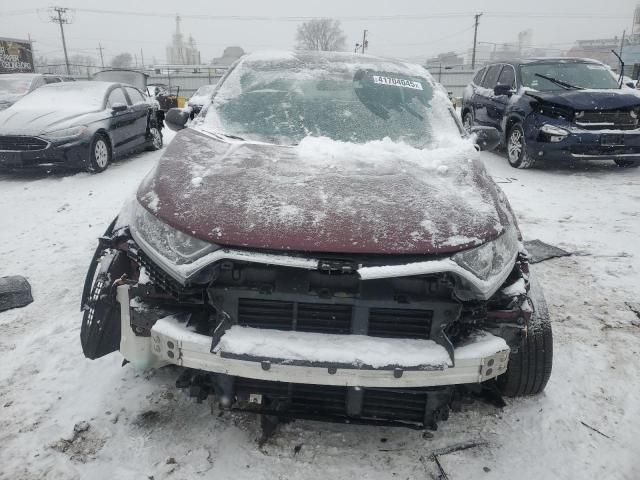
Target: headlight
[[174, 245], [492, 258], [554, 134], [65, 133]]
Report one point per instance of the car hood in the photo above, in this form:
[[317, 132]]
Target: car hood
[[17, 121], [8, 99], [590, 99], [326, 196]]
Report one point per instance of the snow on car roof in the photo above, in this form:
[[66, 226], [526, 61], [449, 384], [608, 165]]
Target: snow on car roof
[[81, 96]]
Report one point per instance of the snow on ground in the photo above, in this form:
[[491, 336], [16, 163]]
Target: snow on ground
[[140, 426]]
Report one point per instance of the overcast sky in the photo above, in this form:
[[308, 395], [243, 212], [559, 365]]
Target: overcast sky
[[414, 36]]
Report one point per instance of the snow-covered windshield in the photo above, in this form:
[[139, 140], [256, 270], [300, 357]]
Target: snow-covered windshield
[[283, 98], [202, 95], [582, 75], [14, 85], [76, 96]]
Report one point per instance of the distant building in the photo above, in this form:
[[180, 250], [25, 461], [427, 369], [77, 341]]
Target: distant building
[[598, 49], [181, 52], [230, 55]]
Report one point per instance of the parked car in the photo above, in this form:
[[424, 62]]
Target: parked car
[[200, 98], [14, 86], [77, 125], [556, 109], [323, 241], [136, 79]]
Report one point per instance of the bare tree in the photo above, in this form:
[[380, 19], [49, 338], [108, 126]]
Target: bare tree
[[321, 34], [122, 60]]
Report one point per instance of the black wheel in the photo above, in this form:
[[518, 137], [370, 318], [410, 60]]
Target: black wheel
[[517, 148], [155, 139], [621, 162], [100, 154], [530, 367], [467, 121]]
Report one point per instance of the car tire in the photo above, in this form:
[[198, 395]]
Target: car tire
[[627, 163], [530, 366], [155, 139], [517, 148], [100, 154], [467, 121]]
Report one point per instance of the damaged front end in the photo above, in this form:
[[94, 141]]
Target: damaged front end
[[356, 338]]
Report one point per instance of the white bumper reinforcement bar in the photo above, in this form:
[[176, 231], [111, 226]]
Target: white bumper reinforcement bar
[[172, 343]]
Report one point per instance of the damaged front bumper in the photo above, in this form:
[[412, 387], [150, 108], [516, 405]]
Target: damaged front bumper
[[171, 341]]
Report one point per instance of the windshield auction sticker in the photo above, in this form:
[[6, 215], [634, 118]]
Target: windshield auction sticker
[[398, 82]]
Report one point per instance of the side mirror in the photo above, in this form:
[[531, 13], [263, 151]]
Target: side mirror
[[630, 85], [176, 118], [485, 138], [501, 89], [118, 107]]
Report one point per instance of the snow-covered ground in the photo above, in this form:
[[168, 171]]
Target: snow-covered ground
[[131, 425]]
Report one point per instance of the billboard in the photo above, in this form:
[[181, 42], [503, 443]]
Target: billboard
[[16, 56]]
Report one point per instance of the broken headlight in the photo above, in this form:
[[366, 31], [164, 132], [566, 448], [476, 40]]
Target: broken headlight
[[174, 245], [492, 258]]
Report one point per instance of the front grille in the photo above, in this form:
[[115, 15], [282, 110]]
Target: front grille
[[606, 119], [399, 323], [298, 397], [265, 314], [314, 317], [333, 318], [303, 317], [19, 143], [407, 405]]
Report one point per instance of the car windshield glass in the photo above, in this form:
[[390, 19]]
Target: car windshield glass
[[14, 86], [285, 99], [71, 96], [204, 91], [582, 75]]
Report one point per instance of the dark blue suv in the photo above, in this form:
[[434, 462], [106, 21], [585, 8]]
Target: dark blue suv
[[556, 109]]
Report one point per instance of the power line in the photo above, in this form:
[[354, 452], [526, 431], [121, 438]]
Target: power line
[[299, 18]]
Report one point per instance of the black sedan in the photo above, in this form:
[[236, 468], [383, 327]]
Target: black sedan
[[81, 125]]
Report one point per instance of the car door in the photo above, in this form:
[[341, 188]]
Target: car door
[[497, 107], [121, 120], [482, 99], [140, 109], [468, 96]]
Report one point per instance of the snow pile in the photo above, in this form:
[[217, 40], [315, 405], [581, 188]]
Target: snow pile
[[480, 344], [358, 350]]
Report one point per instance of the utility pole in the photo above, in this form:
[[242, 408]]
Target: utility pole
[[624, 33], [101, 56], [365, 43], [60, 19], [475, 40], [141, 58]]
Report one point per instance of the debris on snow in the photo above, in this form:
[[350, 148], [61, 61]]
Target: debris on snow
[[539, 251], [15, 292], [83, 445]]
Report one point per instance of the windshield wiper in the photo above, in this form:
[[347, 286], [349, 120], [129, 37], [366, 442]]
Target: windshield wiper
[[221, 134], [565, 85]]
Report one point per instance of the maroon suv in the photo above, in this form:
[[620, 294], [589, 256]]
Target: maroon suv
[[323, 241]]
